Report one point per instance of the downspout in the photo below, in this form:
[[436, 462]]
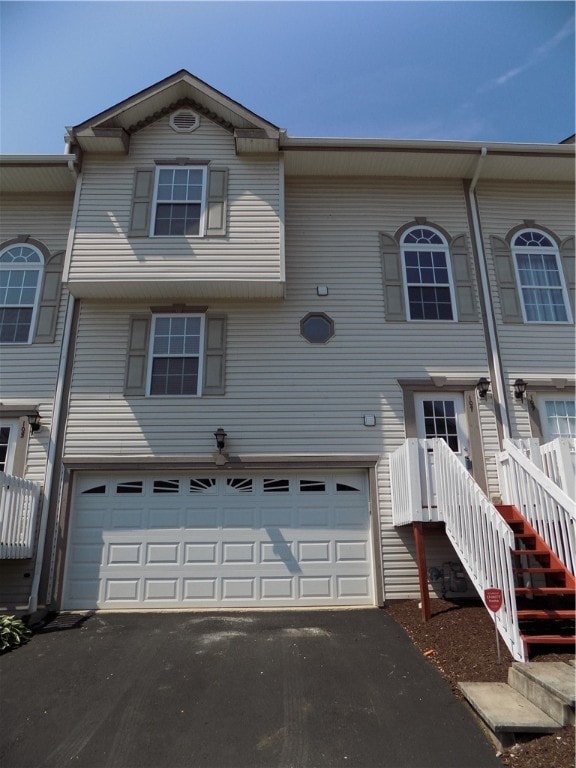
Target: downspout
[[51, 458], [56, 425], [493, 351]]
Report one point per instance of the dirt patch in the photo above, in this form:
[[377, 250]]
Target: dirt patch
[[459, 640]]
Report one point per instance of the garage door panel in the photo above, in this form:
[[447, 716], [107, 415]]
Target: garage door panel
[[281, 517], [165, 590], [277, 588], [169, 517], [125, 590], [202, 517], [200, 553], [163, 554], [352, 551], [232, 541], [124, 554]]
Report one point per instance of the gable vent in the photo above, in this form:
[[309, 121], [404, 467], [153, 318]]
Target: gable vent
[[184, 121]]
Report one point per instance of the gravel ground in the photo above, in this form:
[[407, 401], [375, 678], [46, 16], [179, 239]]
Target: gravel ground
[[459, 640]]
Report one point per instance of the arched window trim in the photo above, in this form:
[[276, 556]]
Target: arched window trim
[[442, 248], [553, 250], [19, 266]]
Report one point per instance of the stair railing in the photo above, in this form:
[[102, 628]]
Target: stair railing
[[548, 509], [557, 459], [18, 507], [481, 537]]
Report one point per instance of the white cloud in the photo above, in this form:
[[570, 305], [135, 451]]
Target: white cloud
[[534, 58]]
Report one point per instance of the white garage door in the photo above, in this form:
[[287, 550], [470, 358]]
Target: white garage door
[[270, 539]]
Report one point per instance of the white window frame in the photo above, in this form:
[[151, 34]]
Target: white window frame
[[435, 247], [14, 428], [16, 265], [156, 202], [544, 424], [550, 250], [201, 353]]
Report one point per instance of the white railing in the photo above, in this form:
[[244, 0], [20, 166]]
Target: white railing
[[557, 459], [482, 539], [559, 463], [413, 483], [405, 484], [18, 508], [548, 509]]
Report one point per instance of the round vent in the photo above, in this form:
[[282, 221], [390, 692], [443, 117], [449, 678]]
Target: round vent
[[184, 121]]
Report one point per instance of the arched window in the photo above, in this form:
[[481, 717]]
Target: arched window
[[540, 280], [21, 268], [427, 275]]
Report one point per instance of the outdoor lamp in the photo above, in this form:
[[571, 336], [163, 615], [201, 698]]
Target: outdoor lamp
[[519, 389], [34, 421], [220, 436], [482, 387]]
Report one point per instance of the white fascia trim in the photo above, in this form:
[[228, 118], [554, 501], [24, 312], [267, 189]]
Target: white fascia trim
[[300, 142]]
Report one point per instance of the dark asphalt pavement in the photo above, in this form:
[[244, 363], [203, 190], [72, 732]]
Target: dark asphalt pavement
[[292, 689]]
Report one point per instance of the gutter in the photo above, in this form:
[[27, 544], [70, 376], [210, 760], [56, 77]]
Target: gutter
[[495, 362]]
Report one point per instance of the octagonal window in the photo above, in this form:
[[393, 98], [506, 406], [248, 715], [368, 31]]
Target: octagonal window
[[317, 328]]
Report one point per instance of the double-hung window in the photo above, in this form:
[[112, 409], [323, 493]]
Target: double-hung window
[[540, 280], [21, 268], [427, 275], [559, 417], [176, 354], [180, 200]]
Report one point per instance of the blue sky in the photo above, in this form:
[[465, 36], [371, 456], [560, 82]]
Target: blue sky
[[491, 71]]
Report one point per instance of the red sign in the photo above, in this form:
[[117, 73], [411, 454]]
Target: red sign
[[493, 599]]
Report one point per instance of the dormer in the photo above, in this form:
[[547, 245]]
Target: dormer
[[180, 197]]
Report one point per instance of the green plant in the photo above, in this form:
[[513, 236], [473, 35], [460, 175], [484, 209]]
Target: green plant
[[13, 632]]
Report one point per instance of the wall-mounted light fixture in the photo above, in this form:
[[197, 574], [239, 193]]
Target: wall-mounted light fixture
[[482, 387], [519, 389], [220, 436], [34, 421]]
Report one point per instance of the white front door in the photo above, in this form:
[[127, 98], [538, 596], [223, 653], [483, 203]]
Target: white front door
[[8, 434], [440, 416]]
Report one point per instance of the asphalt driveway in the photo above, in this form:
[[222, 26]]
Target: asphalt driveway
[[231, 690]]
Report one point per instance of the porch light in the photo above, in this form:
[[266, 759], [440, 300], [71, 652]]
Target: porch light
[[220, 436], [482, 387], [519, 389], [34, 421]]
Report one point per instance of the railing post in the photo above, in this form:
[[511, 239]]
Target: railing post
[[414, 492], [566, 470]]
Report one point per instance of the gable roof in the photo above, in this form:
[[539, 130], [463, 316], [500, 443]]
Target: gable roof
[[110, 130]]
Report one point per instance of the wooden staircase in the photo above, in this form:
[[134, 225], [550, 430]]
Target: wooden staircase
[[545, 588]]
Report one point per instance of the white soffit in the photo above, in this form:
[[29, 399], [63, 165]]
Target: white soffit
[[41, 173], [317, 157]]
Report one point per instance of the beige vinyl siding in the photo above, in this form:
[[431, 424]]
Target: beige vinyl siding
[[29, 371], [535, 352], [285, 396], [250, 251]]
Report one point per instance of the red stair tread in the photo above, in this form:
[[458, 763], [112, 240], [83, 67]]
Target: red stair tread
[[550, 571], [549, 639], [545, 613], [534, 552], [545, 591]]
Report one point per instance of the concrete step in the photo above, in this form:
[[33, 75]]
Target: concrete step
[[506, 712], [551, 686]]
